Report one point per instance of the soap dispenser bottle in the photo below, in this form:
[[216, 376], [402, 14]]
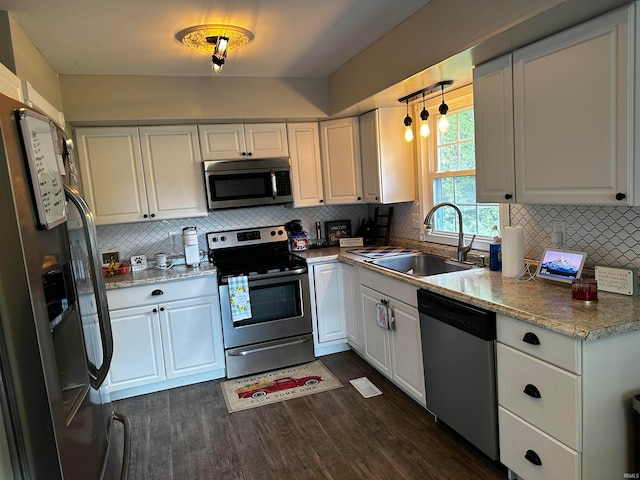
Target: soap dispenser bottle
[[495, 250]]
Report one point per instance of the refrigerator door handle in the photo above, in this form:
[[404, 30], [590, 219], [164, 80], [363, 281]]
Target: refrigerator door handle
[[97, 375]]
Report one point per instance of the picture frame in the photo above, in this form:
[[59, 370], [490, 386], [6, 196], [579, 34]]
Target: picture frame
[[337, 229]]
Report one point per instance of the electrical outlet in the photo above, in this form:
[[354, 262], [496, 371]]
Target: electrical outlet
[[558, 232], [415, 221], [138, 262]]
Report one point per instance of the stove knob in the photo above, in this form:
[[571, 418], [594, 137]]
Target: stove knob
[[214, 239], [280, 232], [273, 233], [223, 238]]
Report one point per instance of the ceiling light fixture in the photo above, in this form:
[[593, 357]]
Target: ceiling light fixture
[[443, 123], [216, 39], [424, 120], [424, 114], [408, 131]]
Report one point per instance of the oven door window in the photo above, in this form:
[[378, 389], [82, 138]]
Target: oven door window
[[238, 186], [274, 302]]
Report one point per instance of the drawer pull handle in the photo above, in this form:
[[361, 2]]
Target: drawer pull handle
[[533, 457], [532, 391], [157, 292], [531, 338]]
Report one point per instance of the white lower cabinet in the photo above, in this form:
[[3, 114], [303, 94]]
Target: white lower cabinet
[[565, 403], [164, 335], [394, 352], [330, 307]]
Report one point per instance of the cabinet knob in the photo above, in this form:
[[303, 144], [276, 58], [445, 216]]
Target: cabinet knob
[[162, 309], [152, 215], [249, 154], [244, 154], [508, 196], [321, 200], [532, 391], [533, 457], [155, 310], [359, 198], [531, 338], [145, 216], [157, 292], [620, 196]]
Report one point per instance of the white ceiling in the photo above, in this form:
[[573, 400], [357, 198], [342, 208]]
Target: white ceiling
[[293, 38]]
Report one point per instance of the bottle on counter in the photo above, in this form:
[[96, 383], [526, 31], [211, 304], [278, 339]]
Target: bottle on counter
[[495, 250]]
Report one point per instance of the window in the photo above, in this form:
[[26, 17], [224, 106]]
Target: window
[[449, 159]]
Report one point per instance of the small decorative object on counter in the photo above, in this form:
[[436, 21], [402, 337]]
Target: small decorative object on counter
[[512, 251], [298, 238], [584, 290], [495, 250]]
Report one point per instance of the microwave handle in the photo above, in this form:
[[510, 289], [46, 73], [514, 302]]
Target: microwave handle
[[274, 188]]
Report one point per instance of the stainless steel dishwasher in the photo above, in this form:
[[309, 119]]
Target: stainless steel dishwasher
[[458, 348]]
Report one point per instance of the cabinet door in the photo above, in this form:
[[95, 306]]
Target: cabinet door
[[329, 302], [306, 173], [173, 172], [571, 100], [137, 348], [112, 176], [388, 170], [191, 336], [370, 152], [353, 320], [222, 142], [377, 349], [266, 140], [341, 167], [493, 119], [406, 350]]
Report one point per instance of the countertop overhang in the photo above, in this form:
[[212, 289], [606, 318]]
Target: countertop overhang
[[157, 275]]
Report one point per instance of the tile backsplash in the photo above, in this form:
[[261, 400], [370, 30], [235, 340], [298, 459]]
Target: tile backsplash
[[610, 235], [148, 238]]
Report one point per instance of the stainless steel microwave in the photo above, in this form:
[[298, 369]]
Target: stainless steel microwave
[[247, 183]]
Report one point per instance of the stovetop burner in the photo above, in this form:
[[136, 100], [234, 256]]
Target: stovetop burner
[[252, 251]]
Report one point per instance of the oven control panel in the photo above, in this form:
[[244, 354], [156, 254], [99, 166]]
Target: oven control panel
[[249, 236]]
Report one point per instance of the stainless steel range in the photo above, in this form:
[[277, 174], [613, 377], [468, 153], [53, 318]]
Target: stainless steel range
[[278, 332]]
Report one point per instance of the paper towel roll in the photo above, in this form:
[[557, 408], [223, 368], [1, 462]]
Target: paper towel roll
[[512, 251]]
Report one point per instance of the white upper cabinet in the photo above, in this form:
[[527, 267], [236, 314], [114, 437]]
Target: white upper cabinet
[[493, 111], [571, 101], [388, 172], [571, 118], [132, 175], [341, 167], [306, 173], [241, 141]]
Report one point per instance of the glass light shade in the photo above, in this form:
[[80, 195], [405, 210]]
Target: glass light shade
[[216, 64], [408, 133], [221, 46], [443, 124], [425, 131]]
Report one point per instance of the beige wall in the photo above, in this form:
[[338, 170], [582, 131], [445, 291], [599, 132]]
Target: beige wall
[[32, 67], [110, 99], [444, 28]]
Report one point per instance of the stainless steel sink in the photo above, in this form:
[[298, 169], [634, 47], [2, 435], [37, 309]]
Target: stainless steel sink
[[422, 264]]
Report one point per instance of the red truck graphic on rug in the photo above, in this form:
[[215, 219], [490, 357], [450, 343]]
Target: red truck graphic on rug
[[263, 388]]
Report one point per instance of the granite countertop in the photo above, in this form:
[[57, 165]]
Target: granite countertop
[[543, 303], [156, 275]]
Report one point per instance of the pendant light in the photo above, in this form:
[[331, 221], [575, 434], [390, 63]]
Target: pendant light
[[424, 120], [443, 123], [408, 131]]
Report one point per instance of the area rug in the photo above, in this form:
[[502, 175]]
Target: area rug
[[277, 386]]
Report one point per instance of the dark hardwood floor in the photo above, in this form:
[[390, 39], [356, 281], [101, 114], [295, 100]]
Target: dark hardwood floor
[[186, 433]]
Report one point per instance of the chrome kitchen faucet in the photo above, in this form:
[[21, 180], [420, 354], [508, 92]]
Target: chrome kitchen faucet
[[463, 249]]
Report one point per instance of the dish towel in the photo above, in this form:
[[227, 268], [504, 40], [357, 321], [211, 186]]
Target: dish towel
[[239, 298]]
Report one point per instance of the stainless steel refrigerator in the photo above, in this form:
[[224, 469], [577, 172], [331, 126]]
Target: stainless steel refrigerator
[[56, 419]]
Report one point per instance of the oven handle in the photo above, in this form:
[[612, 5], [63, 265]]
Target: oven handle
[[262, 276], [244, 353], [274, 187]]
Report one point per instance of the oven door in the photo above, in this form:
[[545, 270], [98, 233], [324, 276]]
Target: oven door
[[280, 308]]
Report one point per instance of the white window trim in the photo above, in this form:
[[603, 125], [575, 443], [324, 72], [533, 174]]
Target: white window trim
[[455, 99]]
